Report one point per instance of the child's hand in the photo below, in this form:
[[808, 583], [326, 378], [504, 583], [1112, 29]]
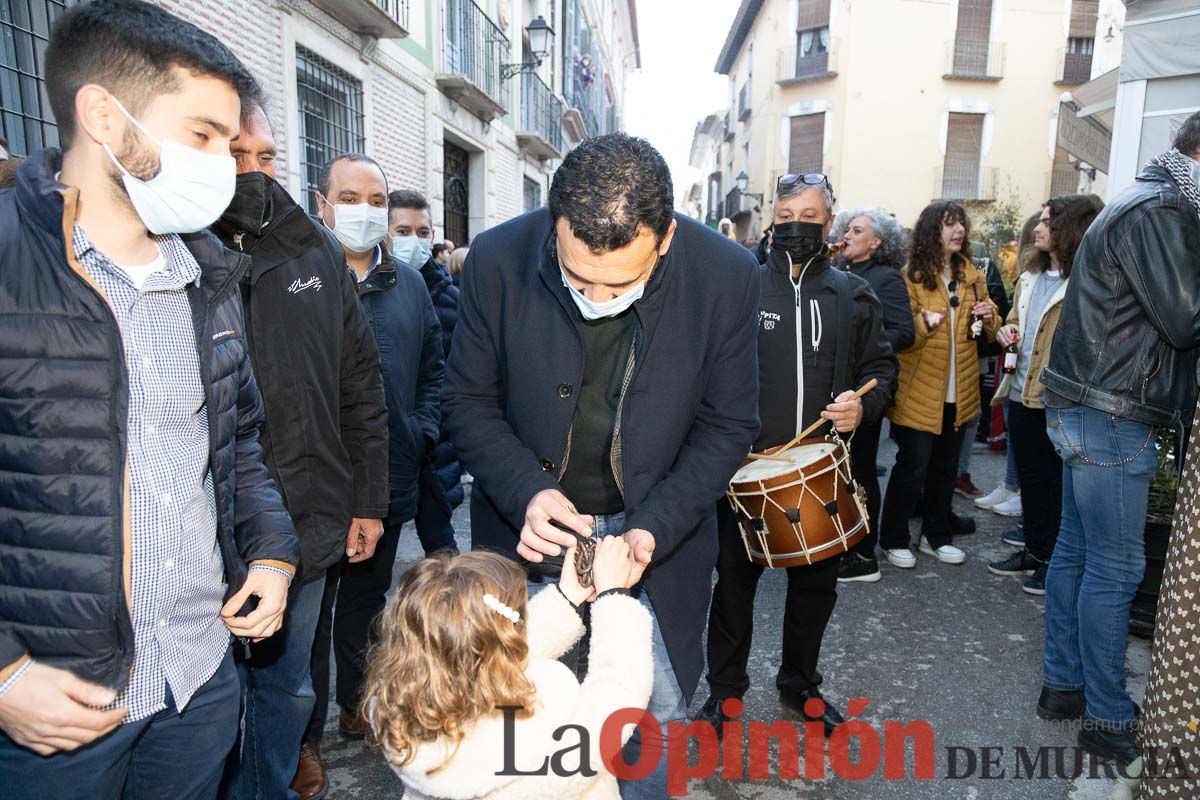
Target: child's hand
[[612, 566], [568, 581]]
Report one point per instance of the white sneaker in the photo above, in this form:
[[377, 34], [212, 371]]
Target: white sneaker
[[995, 497], [901, 557], [947, 554], [1010, 507]]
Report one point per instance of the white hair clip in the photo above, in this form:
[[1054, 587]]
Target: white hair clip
[[501, 609]]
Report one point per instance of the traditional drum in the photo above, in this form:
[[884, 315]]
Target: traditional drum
[[800, 506]]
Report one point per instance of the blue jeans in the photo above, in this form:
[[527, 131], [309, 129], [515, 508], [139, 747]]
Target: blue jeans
[[1011, 478], [968, 445], [172, 754], [666, 698], [1108, 463], [278, 699], [435, 530]]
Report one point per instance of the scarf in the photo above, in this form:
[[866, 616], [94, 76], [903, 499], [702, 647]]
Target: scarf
[[1180, 167]]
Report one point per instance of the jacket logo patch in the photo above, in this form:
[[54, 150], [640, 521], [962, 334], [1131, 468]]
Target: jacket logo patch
[[768, 320], [299, 286], [225, 334]]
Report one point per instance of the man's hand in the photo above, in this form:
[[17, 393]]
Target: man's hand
[[271, 589], [48, 710], [1006, 335], [539, 537], [641, 550], [845, 412], [362, 537]]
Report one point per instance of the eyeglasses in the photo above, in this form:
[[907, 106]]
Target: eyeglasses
[[808, 179], [955, 300]]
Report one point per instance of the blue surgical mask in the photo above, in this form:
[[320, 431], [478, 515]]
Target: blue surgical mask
[[591, 310], [412, 250]]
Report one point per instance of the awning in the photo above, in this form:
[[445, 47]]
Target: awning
[[1160, 40], [1097, 98]]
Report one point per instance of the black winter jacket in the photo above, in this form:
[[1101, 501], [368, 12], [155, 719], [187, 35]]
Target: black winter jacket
[[445, 296], [888, 286], [325, 437], [408, 334], [64, 398], [804, 319], [687, 419], [1128, 335]]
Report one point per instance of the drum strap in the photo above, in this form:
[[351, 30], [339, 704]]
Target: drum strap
[[844, 346]]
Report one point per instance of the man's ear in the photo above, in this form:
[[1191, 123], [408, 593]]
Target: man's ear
[[666, 242]]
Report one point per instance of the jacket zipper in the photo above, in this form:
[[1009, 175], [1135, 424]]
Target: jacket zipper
[[613, 461], [799, 343], [1155, 366]]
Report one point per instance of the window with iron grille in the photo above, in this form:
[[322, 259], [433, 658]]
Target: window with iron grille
[[533, 196], [972, 37], [806, 146], [964, 144], [331, 117], [456, 188], [26, 121]]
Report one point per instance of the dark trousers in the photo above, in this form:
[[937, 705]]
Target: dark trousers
[[864, 453], [434, 528], [172, 754], [926, 466], [811, 596], [1041, 473], [355, 594]]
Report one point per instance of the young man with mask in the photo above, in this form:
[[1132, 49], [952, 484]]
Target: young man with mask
[[352, 203], [410, 225], [317, 367], [138, 524], [603, 378], [822, 337]]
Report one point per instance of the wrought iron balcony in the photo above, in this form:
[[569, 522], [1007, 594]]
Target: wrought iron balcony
[[730, 126], [970, 183], [383, 19], [475, 49], [974, 61], [541, 132], [818, 64], [744, 102]]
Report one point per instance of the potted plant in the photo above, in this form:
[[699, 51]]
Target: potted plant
[[1160, 510]]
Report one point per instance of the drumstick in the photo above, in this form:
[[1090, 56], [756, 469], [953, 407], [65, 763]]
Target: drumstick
[[804, 434]]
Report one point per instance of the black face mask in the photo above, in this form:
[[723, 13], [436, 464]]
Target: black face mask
[[800, 240], [250, 209]]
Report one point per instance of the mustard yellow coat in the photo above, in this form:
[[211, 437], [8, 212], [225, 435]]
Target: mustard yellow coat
[[925, 367]]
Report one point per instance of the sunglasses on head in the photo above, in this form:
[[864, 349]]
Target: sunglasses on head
[[808, 179]]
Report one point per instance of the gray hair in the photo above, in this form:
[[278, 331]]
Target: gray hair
[[883, 225], [791, 190]]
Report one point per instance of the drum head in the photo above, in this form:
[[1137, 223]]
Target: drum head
[[800, 456]]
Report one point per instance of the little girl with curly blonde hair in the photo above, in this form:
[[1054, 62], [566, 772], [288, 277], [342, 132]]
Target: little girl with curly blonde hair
[[459, 641]]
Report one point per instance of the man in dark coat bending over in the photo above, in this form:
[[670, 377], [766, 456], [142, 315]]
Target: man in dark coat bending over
[[604, 377]]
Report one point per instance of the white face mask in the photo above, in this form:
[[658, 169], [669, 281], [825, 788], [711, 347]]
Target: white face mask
[[411, 250], [190, 191], [609, 308], [359, 227]]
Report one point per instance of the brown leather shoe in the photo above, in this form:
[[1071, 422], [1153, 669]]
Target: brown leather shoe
[[353, 727], [310, 781]]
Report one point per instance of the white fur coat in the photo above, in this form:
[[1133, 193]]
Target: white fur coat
[[620, 675]]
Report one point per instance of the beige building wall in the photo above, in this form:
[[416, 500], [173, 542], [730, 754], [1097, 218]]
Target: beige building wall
[[887, 102]]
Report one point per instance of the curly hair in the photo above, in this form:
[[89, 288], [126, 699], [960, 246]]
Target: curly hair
[[925, 252], [1070, 217], [883, 225], [444, 658]]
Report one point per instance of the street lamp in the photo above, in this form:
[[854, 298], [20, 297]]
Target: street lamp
[[743, 183], [541, 37]]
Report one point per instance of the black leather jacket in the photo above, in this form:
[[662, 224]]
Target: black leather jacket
[[1130, 327]]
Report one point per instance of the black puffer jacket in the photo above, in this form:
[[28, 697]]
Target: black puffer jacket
[[1128, 335], [792, 392], [408, 334], [64, 398], [325, 437], [444, 294]]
